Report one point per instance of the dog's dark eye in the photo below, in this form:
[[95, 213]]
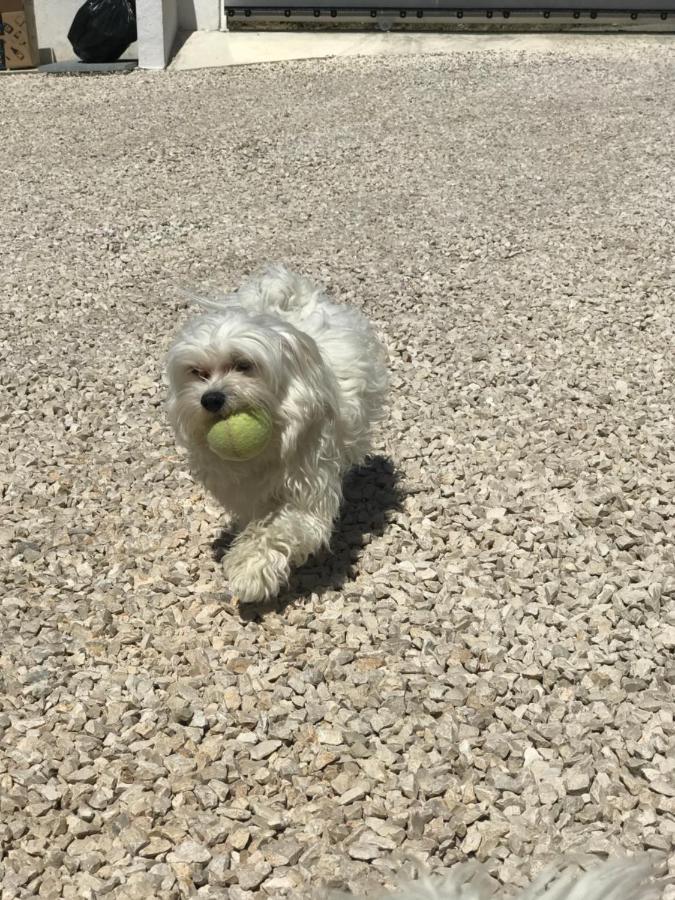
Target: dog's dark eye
[[200, 373], [243, 365]]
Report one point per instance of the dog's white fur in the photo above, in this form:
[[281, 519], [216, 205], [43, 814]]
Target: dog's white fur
[[614, 880], [320, 372]]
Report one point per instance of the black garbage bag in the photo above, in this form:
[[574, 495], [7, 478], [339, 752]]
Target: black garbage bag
[[103, 29]]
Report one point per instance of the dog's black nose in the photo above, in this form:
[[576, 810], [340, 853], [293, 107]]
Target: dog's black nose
[[213, 401]]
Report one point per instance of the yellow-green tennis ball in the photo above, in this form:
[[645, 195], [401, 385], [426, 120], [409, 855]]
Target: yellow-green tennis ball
[[243, 435]]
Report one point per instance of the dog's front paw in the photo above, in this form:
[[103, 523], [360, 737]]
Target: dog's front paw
[[254, 576]]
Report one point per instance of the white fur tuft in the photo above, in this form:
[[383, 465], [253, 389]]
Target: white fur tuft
[[615, 880]]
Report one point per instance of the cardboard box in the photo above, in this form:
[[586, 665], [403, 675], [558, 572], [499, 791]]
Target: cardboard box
[[18, 35]]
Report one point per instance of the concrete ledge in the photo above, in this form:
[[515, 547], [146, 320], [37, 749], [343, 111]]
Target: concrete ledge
[[80, 68], [220, 49]]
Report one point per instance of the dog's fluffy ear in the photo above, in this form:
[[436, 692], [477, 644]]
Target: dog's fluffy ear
[[208, 298], [310, 399]]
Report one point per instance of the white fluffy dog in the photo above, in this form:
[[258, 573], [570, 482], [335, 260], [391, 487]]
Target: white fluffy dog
[[319, 371]]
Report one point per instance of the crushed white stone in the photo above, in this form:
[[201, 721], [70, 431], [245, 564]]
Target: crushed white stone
[[484, 665]]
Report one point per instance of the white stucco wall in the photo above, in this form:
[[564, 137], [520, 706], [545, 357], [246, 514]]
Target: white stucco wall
[[53, 19], [199, 15], [157, 27], [160, 20]]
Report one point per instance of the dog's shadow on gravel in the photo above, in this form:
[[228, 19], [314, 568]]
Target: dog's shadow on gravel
[[372, 494]]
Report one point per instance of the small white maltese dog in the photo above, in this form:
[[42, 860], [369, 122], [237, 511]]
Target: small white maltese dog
[[320, 373]]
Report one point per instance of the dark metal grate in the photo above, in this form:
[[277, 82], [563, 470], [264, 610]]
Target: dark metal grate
[[430, 10]]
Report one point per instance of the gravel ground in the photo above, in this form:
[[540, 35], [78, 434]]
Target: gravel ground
[[481, 668]]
